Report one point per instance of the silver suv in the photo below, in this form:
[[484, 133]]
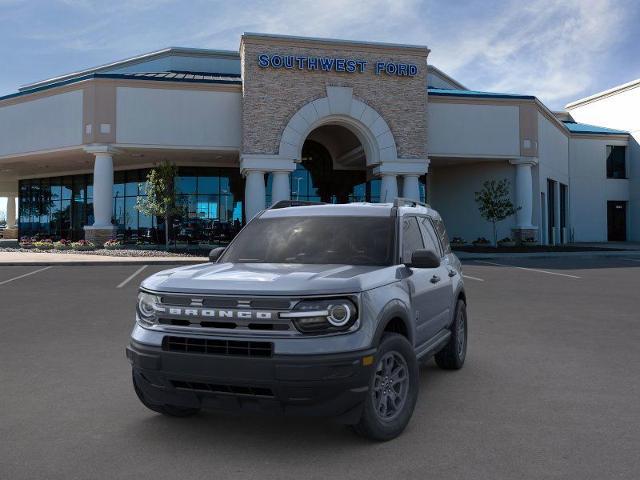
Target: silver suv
[[313, 309]]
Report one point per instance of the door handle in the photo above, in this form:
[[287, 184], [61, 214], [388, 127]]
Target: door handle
[[435, 279], [452, 273]]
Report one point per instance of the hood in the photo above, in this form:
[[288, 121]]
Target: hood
[[271, 279]]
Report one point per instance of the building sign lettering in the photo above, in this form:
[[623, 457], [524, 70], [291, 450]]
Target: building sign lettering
[[333, 64]]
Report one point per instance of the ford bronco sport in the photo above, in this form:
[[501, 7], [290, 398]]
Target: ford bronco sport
[[312, 309]]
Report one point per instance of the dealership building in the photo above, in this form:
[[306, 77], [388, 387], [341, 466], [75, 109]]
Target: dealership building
[[309, 119]]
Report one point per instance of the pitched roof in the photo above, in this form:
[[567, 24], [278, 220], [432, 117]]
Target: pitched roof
[[474, 93], [172, 76], [585, 128], [133, 61]]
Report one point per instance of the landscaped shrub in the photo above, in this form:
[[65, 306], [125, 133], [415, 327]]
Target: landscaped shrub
[[26, 242], [62, 245], [83, 245], [481, 241], [43, 244], [112, 244], [457, 241], [507, 242]]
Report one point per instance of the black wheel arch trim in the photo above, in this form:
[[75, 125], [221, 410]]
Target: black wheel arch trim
[[392, 310]]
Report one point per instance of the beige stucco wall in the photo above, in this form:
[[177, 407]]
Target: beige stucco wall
[[178, 117], [50, 122], [272, 96], [461, 129]]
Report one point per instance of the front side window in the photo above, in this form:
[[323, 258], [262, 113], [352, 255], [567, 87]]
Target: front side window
[[315, 240], [616, 164], [411, 238]]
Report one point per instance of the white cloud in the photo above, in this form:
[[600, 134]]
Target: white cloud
[[546, 48]]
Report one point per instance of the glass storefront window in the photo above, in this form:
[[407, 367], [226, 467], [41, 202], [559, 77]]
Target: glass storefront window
[[60, 207]]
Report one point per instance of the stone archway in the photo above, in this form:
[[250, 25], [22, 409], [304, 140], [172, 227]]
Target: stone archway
[[339, 107]]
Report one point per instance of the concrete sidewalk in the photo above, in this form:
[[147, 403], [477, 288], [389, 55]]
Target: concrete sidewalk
[[37, 259], [593, 253]]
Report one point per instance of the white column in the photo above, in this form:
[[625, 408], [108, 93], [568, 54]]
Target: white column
[[388, 188], [254, 193], [280, 189], [524, 193], [11, 212], [411, 187], [103, 189]]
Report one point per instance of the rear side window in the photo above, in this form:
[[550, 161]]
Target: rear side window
[[442, 235], [411, 238], [430, 238]]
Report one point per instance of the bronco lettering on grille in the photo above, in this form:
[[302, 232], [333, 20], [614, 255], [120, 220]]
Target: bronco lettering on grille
[[215, 313]]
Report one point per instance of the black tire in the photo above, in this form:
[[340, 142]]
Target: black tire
[[169, 410], [452, 356], [382, 426]]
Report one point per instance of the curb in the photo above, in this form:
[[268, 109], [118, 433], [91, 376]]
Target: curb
[[498, 256], [96, 264]]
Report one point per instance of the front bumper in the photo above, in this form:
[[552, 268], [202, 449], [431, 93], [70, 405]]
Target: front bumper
[[332, 385]]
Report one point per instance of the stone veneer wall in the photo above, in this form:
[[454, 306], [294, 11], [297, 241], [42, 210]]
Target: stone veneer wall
[[272, 96]]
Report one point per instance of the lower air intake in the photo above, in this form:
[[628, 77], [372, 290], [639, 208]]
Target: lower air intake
[[217, 347]]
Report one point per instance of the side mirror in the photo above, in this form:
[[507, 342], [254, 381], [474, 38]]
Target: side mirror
[[214, 254], [424, 258]]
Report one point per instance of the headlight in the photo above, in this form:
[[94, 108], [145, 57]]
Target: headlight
[[323, 316], [147, 304]]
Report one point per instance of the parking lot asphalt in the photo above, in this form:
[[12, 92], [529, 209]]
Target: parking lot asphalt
[[550, 389]]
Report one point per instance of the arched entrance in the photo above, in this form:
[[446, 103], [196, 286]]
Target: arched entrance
[[337, 149], [333, 168]]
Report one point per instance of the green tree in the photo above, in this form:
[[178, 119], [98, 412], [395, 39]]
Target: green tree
[[494, 203], [160, 199]]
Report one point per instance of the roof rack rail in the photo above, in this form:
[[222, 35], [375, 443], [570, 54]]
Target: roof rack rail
[[408, 202], [294, 203]]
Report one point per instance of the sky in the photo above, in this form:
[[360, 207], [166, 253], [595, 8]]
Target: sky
[[557, 50]]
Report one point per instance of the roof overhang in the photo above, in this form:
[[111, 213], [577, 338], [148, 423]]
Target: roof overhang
[[145, 57], [606, 93]]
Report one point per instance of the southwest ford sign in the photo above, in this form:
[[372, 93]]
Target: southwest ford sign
[[334, 64]]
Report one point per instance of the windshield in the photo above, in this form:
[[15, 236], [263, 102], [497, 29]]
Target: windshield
[[337, 240]]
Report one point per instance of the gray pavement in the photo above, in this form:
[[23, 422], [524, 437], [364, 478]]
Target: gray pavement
[[550, 388]]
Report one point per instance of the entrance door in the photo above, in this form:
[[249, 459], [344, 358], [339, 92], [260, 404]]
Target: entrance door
[[551, 211], [617, 221]]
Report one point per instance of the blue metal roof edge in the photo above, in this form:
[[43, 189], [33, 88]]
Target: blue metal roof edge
[[442, 92], [595, 129], [121, 76]]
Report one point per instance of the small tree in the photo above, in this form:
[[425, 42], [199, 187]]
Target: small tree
[[494, 203], [161, 200]]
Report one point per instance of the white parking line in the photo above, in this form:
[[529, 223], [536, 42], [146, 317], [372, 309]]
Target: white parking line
[[132, 276], [473, 278], [25, 275], [529, 269]]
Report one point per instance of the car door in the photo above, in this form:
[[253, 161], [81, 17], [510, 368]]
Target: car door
[[440, 303], [422, 288]]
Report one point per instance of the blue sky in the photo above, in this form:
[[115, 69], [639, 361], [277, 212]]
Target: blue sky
[[557, 50]]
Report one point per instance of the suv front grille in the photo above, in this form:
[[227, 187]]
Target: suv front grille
[[228, 389], [258, 314], [217, 347]]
